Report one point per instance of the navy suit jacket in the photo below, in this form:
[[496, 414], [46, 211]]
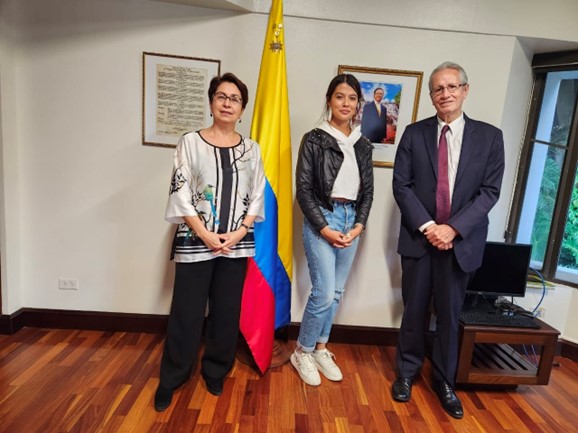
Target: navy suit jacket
[[374, 125], [476, 190]]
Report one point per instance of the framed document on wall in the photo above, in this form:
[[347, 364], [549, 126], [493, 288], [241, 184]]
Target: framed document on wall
[[175, 99]]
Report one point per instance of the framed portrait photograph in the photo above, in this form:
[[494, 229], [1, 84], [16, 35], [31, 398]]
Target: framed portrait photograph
[[390, 103], [175, 97]]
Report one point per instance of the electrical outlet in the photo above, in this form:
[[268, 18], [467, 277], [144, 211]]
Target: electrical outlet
[[68, 284], [541, 312]]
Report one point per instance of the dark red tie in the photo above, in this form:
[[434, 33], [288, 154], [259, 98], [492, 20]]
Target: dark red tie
[[443, 206]]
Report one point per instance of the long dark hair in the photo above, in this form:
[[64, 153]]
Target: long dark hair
[[348, 79]]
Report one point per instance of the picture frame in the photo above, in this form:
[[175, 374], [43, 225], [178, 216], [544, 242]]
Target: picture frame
[[175, 99], [384, 122]]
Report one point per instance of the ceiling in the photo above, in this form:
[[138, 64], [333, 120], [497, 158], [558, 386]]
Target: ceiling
[[233, 5]]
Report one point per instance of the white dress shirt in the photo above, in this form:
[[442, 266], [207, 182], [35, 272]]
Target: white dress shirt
[[454, 138]]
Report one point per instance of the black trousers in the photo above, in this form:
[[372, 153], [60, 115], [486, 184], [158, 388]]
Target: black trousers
[[437, 276], [220, 282]]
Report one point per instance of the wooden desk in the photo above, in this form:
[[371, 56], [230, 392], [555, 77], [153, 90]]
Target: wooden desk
[[487, 357]]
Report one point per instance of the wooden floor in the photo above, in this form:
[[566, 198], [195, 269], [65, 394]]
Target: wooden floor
[[54, 381]]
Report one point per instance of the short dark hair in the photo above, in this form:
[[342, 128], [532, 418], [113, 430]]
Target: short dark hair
[[340, 79], [379, 88], [228, 77]]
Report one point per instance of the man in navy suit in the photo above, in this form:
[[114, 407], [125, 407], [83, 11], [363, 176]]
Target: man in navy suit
[[442, 245], [374, 118]]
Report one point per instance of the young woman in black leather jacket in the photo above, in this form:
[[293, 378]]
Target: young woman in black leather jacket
[[335, 192]]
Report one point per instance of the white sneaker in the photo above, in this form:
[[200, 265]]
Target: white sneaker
[[305, 366], [324, 361]]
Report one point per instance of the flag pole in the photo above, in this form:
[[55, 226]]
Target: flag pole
[[266, 304]]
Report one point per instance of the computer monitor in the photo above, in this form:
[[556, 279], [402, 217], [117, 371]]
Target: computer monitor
[[504, 271]]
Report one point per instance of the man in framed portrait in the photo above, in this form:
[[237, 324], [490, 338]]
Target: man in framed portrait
[[374, 118]]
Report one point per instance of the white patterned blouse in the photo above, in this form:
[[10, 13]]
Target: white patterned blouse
[[220, 185]]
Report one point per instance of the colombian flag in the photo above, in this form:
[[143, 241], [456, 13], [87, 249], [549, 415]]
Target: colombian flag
[[266, 302]]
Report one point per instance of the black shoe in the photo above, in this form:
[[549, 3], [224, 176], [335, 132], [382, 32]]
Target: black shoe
[[401, 389], [214, 386], [449, 400], [163, 398]]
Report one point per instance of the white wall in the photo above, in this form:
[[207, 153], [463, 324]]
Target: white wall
[[10, 210], [570, 329], [513, 122], [82, 198], [555, 19]]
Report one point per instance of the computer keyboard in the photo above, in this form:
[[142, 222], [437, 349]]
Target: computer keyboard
[[496, 318]]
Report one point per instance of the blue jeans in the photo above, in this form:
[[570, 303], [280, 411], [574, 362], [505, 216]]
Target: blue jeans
[[328, 269]]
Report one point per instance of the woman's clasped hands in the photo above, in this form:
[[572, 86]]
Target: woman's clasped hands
[[221, 243]]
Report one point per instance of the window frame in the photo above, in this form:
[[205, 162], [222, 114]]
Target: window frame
[[542, 64]]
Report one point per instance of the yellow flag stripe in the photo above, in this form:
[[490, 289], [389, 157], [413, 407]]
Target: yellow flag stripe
[[270, 128]]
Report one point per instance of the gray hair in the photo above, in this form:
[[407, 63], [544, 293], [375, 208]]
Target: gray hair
[[449, 65]]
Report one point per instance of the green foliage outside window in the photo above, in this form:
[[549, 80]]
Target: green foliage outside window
[[546, 201], [545, 208], [569, 252]]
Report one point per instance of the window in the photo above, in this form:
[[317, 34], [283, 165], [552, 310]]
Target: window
[[545, 209]]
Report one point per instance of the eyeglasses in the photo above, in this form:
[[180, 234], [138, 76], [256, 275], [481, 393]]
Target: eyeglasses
[[221, 97], [451, 88]]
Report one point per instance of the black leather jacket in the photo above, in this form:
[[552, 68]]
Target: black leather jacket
[[319, 161]]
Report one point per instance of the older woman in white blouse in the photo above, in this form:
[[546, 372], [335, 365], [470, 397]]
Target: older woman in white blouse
[[216, 194]]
